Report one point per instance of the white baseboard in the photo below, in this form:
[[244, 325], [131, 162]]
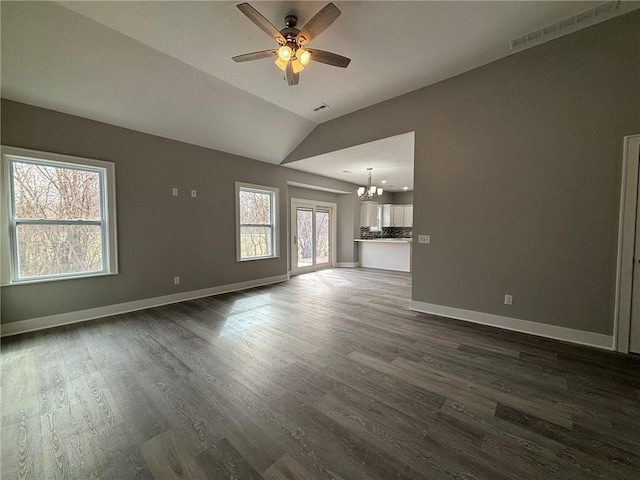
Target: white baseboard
[[525, 326], [33, 324], [347, 264]]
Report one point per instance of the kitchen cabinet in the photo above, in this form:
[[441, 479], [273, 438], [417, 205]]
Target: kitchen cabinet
[[397, 215], [369, 214], [408, 215]]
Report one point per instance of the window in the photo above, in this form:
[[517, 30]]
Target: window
[[256, 208], [61, 216]]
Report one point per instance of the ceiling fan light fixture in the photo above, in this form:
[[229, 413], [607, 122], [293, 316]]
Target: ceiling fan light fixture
[[380, 191], [303, 55], [297, 65], [284, 53], [281, 64], [292, 41], [361, 191]]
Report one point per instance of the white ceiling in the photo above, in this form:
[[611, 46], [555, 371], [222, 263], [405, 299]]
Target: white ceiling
[[391, 159], [165, 68]]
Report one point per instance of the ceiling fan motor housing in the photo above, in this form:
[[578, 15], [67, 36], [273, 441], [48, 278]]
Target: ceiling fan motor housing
[[290, 34], [291, 21]]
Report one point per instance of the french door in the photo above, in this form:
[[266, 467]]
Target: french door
[[313, 235]]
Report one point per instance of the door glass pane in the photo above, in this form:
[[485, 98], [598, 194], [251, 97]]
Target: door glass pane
[[304, 222], [58, 249], [322, 236]]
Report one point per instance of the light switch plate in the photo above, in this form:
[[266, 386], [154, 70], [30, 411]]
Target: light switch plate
[[424, 238], [174, 192], [508, 299], [193, 194]]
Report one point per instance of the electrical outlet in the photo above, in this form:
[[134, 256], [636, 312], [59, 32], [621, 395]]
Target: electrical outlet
[[424, 238], [508, 299], [176, 280], [193, 194], [174, 192]]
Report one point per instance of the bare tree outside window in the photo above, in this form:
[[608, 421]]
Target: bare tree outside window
[[57, 212], [256, 223]]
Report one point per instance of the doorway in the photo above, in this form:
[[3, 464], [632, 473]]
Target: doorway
[[627, 315], [313, 235]]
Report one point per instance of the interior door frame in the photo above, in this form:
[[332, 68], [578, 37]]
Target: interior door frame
[[626, 243], [313, 204]]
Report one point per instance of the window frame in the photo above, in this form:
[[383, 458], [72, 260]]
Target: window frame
[[8, 238], [274, 192]]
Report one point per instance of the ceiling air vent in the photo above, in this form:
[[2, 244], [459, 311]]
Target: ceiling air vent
[[571, 24], [322, 106]]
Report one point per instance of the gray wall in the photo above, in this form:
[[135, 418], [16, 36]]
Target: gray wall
[[402, 198], [159, 236], [517, 176]]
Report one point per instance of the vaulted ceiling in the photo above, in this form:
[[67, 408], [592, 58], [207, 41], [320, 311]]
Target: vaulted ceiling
[[165, 68]]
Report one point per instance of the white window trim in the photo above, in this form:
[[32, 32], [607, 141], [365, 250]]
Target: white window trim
[[274, 220], [7, 246]]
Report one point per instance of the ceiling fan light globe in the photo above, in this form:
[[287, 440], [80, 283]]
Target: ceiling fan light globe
[[303, 55], [284, 53], [297, 65], [282, 65]]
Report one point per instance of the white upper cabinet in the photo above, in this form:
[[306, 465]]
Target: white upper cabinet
[[408, 215], [386, 216], [368, 214], [397, 215]]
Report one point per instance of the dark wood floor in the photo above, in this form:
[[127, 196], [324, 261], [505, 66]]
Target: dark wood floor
[[327, 376]]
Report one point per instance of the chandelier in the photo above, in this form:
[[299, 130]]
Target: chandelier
[[370, 191]]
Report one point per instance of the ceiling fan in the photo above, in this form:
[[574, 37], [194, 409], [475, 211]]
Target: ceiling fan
[[292, 54]]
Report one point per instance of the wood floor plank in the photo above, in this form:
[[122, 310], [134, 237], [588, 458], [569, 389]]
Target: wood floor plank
[[222, 460], [624, 461], [286, 468], [168, 458], [326, 376]]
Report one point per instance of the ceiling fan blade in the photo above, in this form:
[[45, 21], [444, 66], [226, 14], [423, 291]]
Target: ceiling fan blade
[[264, 24], [318, 23], [292, 78], [329, 58], [247, 57]]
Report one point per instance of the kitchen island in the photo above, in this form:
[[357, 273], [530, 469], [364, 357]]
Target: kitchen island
[[385, 253]]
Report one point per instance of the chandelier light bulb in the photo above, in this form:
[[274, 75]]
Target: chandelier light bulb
[[303, 55], [284, 53]]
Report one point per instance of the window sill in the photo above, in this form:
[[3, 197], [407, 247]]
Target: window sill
[[15, 283], [256, 258]]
